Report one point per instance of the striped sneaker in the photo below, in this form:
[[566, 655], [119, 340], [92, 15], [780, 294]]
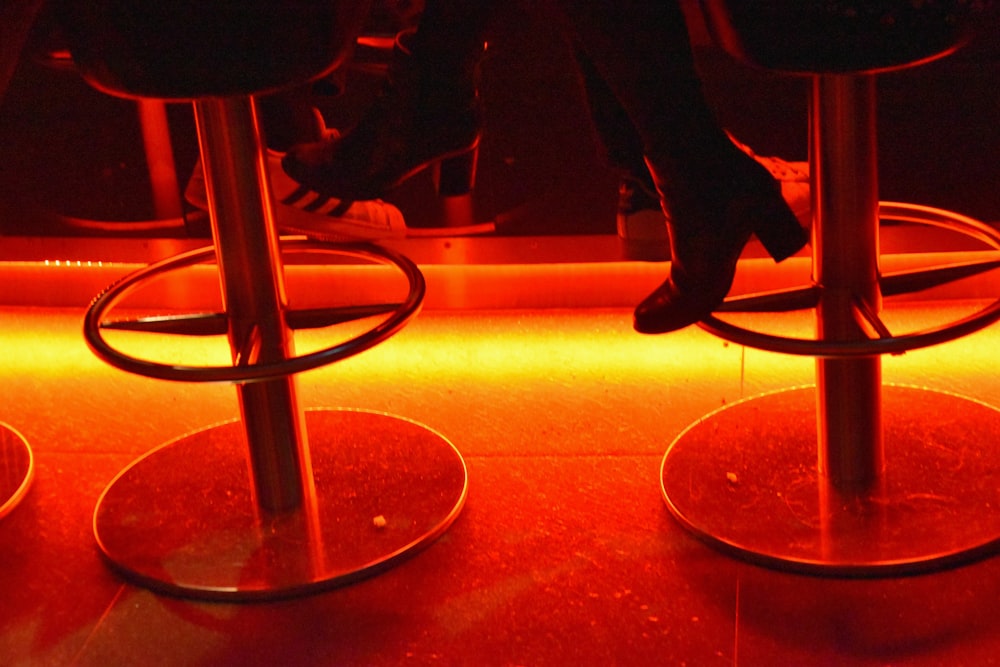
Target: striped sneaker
[[301, 211]]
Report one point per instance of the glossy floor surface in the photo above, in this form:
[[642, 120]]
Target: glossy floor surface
[[565, 553]]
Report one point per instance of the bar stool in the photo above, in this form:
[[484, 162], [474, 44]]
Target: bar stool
[[17, 468], [850, 477], [284, 501]]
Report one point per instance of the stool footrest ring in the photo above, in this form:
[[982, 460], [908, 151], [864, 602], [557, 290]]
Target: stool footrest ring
[[214, 323], [808, 297], [17, 468]]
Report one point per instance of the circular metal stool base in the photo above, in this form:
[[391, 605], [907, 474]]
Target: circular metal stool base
[[17, 468], [744, 479], [182, 520]]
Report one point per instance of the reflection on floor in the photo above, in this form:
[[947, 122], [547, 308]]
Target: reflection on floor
[[564, 554]]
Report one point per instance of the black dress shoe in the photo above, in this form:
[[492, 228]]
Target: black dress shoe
[[713, 209]]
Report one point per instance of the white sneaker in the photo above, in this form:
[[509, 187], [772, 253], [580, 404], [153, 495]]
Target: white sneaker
[[794, 179], [299, 210]]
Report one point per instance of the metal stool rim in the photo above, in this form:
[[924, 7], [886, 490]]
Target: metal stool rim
[[17, 445], [891, 345], [115, 293]]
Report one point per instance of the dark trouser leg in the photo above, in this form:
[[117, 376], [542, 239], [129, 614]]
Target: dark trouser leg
[[716, 196], [642, 50], [621, 144], [428, 113], [451, 32]]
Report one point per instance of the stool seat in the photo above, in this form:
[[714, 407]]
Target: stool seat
[[819, 37], [187, 49]]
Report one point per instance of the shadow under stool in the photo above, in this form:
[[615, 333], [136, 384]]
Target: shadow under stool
[[283, 501], [849, 477]]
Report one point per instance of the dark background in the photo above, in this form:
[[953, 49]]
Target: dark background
[[67, 150]]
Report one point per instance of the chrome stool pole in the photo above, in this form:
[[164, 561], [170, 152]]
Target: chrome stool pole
[[253, 290], [846, 270]]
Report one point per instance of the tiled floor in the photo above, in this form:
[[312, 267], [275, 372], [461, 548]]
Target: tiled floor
[[564, 554]]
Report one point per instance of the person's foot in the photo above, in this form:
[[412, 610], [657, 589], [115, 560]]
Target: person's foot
[[299, 210], [712, 210]]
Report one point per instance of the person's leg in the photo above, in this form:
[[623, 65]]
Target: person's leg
[[641, 49], [450, 35], [429, 113], [715, 196], [639, 218], [620, 144], [290, 117], [639, 215]]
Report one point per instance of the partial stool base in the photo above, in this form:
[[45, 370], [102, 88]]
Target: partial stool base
[[181, 520], [17, 467], [752, 490]]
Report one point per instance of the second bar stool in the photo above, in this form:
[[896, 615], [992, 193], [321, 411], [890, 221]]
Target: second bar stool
[[849, 477], [282, 502]]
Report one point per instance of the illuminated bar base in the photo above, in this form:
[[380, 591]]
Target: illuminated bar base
[[17, 468], [745, 479], [183, 519]]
